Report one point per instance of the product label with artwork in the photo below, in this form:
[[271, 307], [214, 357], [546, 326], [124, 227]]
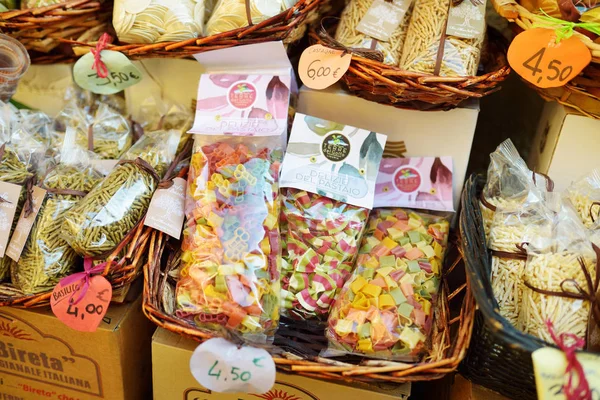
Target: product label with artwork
[[417, 182], [24, 225], [334, 160], [9, 197], [165, 212], [383, 18], [467, 19], [242, 105]]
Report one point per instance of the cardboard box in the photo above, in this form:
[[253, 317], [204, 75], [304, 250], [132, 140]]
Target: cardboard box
[[463, 389], [40, 358], [565, 146], [172, 379], [414, 133]]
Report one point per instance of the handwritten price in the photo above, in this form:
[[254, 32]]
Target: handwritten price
[[90, 309], [115, 78], [553, 65], [243, 375], [321, 67], [319, 71]]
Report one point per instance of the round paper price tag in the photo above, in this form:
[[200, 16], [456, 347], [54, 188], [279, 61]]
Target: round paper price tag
[[321, 67], [537, 58], [220, 366], [121, 73]]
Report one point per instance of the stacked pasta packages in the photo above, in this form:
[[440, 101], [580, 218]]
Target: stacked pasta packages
[[386, 308], [424, 36], [542, 253]]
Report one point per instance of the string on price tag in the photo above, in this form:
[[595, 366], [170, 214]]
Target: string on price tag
[[539, 58], [321, 67], [221, 366]]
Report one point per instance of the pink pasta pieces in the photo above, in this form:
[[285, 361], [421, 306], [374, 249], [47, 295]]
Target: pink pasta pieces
[[386, 308]]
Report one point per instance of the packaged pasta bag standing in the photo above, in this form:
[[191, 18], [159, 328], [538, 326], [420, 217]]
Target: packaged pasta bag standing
[[561, 261], [445, 37], [156, 114], [386, 308], [46, 257], [229, 281], [375, 25], [328, 185], [234, 14], [102, 219], [584, 194]]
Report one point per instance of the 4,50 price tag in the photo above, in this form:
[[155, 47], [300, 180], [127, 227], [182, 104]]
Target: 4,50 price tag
[[321, 67], [535, 55], [220, 366], [121, 73]]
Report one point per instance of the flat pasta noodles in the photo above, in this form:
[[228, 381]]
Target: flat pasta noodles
[[386, 308], [424, 37], [232, 14], [321, 238], [231, 248]]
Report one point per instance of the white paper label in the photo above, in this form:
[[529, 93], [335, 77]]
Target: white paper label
[[220, 366], [165, 212]]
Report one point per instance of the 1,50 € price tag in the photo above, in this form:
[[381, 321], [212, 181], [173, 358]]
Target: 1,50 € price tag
[[321, 67], [220, 366], [535, 55], [121, 73]]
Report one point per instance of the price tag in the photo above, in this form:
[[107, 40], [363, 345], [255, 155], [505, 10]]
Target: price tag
[[535, 55], [121, 73], [219, 365], [86, 315], [321, 67]]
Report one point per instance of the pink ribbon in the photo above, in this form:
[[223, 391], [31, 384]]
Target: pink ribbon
[[98, 65], [82, 277], [582, 390]]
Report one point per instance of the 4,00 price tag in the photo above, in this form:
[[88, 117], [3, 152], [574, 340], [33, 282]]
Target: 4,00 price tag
[[219, 365], [535, 55], [121, 73], [321, 67]]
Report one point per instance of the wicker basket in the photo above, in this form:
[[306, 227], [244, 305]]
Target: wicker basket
[[298, 343], [582, 93], [386, 84], [42, 29], [499, 357]]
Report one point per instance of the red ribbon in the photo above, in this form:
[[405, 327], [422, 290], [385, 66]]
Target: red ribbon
[[582, 390], [98, 65], [83, 278]]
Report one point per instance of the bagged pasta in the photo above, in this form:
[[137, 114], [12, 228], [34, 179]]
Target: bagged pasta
[[560, 258], [444, 38], [102, 219], [156, 114], [386, 308], [584, 194], [386, 22], [46, 257], [229, 281], [328, 180], [156, 21], [233, 14]]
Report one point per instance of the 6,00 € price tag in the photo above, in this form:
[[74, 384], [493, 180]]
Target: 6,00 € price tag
[[221, 366], [540, 60], [321, 67], [121, 73]]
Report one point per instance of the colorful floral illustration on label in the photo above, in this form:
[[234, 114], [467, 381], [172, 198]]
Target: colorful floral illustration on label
[[242, 95], [407, 179]]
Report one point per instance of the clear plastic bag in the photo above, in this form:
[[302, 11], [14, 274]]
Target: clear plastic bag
[[156, 21], [46, 257], [385, 310], [349, 36], [102, 219], [155, 115], [424, 38], [321, 239], [230, 279], [232, 14], [584, 194]]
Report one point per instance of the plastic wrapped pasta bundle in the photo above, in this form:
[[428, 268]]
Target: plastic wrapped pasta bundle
[[348, 35], [321, 244], [230, 279], [102, 219], [386, 309], [584, 194], [233, 14], [424, 38], [156, 115]]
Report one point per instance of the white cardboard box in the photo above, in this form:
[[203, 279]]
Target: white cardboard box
[[565, 146], [423, 133]]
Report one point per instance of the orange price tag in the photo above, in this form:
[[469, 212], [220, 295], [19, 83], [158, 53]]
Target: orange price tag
[[81, 311], [321, 67], [535, 55]]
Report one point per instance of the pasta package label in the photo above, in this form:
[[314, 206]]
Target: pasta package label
[[333, 160], [9, 197], [24, 225], [166, 210], [383, 18], [417, 182], [467, 19], [242, 105]]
